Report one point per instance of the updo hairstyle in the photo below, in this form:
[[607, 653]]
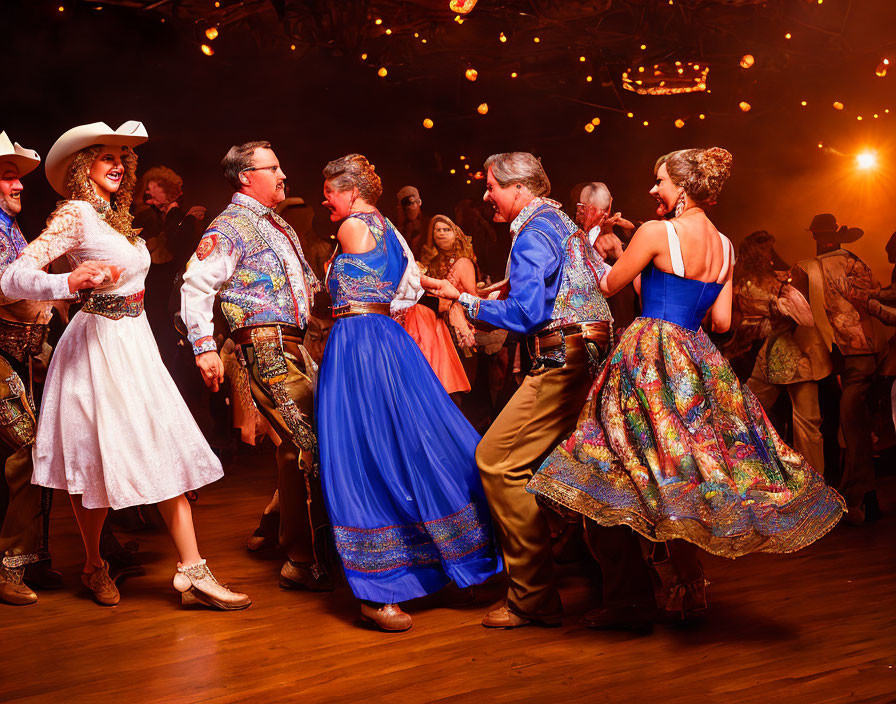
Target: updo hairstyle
[[700, 172], [354, 171]]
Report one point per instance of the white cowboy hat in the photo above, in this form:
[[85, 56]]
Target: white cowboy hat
[[26, 159], [60, 156]]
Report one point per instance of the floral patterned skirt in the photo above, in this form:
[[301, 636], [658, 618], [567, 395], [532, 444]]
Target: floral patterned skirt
[[670, 443]]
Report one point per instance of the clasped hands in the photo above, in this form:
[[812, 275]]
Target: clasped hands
[[93, 274]]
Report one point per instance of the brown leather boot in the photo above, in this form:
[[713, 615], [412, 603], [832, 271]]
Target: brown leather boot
[[12, 589], [389, 617], [303, 575], [105, 593]]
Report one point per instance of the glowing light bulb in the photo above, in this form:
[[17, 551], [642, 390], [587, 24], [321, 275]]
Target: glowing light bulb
[[589, 127], [679, 123], [589, 78], [866, 160], [513, 74], [747, 60], [701, 116], [377, 21], [472, 74], [61, 8], [582, 59], [595, 121], [482, 109], [645, 123], [744, 106], [382, 73], [363, 57], [803, 103], [462, 6], [211, 33], [427, 123], [388, 31], [207, 50], [881, 69], [788, 35], [502, 37], [292, 47], [838, 105], [643, 47], [453, 171], [629, 114], [536, 39]]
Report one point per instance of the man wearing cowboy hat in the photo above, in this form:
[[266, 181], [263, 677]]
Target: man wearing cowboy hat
[[838, 286], [23, 330]]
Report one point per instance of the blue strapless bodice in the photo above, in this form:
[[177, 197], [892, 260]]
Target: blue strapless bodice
[[373, 276], [676, 299]]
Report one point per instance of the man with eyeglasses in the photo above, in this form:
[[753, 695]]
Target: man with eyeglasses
[[252, 259]]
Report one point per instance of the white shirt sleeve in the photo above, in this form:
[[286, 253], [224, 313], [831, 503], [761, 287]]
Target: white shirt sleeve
[[593, 234], [210, 267], [25, 278]]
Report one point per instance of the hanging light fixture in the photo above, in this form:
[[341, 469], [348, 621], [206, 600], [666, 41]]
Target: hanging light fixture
[[462, 7]]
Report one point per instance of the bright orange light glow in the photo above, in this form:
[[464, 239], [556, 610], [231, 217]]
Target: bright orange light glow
[[866, 160], [462, 6], [207, 50], [427, 123], [211, 33], [472, 74], [482, 109]]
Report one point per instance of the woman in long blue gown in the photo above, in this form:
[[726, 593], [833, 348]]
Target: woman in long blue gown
[[397, 457]]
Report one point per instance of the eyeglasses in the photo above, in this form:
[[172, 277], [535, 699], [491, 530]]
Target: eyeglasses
[[273, 169]]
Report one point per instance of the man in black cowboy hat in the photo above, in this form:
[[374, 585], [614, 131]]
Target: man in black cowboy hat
[[838, 285]]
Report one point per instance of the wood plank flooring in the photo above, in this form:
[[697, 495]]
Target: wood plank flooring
[[817, 626]]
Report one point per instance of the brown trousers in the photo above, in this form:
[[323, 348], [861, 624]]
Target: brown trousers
[[542, 412], [22, 518], [303, 519]]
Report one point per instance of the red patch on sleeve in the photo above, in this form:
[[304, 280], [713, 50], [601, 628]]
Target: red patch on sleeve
[[207, 245]]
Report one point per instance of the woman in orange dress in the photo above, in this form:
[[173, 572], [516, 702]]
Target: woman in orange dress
[[446, 248]]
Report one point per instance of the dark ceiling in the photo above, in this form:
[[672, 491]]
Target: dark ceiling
[[135, 59]]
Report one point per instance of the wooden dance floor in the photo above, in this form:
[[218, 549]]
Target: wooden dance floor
[[817, 626]]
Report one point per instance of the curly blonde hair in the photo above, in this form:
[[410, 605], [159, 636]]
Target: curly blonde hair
[[79, 187], [700, 172], [355, 171], [439, 263]]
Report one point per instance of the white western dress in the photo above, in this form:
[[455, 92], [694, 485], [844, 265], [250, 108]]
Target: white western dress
[[113, 426]]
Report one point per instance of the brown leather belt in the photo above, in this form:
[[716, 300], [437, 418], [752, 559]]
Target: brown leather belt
[[597, 331], [243, 336], [360, 308], [22, 340]]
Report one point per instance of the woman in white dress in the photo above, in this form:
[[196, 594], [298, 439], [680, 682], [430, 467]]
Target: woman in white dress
[[113, 429]]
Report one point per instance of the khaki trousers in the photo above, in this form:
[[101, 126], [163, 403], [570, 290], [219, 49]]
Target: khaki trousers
[[302, 515], [541, 414], [807, 438]]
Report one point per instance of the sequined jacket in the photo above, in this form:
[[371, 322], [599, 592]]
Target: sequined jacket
[[11, 244], [252, 258], [554, 275]]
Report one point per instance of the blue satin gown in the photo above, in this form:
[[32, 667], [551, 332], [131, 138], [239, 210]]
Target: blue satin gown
[[397, 456]]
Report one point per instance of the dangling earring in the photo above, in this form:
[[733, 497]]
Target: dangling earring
[[679, 205]]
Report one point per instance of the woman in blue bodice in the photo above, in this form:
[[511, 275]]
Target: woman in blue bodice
[[397, 456], [669, 442]]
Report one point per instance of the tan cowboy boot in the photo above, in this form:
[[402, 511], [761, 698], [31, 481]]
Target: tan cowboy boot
[[105, 593], [12, 589], [196, 583]]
